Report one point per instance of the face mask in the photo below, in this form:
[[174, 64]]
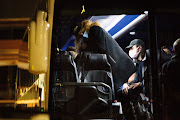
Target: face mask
[[85, 34], [134, 53]]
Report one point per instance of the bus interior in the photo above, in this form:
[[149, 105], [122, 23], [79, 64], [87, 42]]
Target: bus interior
[[29, 88]]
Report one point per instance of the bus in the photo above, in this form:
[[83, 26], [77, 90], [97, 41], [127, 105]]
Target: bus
[[41, 76]]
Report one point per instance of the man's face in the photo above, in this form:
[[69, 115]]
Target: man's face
[[134, 51], [167, 50]]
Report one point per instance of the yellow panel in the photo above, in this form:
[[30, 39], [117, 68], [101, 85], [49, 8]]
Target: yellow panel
[[40, 117], [38, 44]]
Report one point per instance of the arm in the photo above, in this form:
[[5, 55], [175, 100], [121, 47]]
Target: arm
[[126, 85], [131, 78], [135, 85]]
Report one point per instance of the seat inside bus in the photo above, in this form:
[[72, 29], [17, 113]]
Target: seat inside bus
[[97, 69], [95, 90]]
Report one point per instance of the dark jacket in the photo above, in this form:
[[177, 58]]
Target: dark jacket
[[171, 70], [101, 41]]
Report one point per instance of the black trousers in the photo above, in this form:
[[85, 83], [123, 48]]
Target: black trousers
[[126, 100]]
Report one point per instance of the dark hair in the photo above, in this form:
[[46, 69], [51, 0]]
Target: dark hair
[[165, 47]]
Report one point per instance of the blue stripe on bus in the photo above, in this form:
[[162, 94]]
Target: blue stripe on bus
[[122, 23], [70, 42]]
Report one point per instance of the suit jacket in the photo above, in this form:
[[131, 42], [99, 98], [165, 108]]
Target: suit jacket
[[101, 41], [171, 71]]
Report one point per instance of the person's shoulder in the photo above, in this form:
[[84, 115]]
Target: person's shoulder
[[165, 66], [174, 60]]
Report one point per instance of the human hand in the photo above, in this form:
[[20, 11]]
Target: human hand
[[125, 88], [135, 85]]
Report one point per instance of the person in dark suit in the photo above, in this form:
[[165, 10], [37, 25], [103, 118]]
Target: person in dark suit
[[100, 41], [171, 74]]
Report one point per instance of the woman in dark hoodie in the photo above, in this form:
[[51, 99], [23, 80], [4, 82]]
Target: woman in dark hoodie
[[100, 41]]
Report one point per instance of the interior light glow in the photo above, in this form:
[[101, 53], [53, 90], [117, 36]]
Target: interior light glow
[[145, 12], [27, 101], [132, 33]]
